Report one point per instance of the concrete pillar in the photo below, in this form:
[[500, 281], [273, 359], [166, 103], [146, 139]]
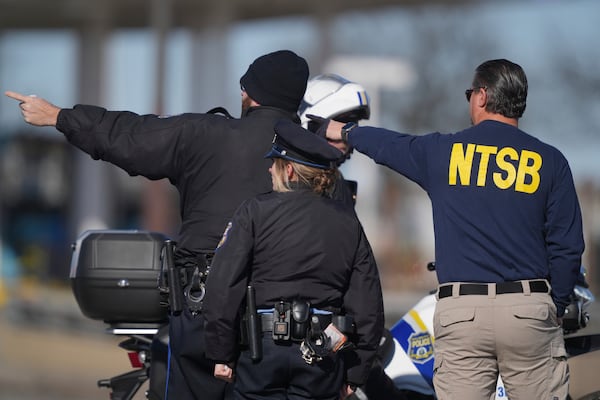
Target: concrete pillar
[[210, 75], [92, 199], [159, 203]]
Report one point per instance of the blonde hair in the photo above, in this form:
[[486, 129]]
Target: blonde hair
[[321, 181]]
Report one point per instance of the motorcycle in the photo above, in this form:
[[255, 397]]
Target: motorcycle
[[115, 275]]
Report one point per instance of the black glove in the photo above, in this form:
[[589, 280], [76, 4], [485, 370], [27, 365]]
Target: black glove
[[318, 125]]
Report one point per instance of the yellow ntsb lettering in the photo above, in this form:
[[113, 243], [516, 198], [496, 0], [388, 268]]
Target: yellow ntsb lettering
[[485, 152], [461, 161], [507, 167], [529, 165], [518, 170]]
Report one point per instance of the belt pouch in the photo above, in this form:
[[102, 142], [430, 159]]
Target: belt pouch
[[281, 321], [300, 315]]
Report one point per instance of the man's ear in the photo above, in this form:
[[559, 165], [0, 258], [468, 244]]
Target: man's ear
[[482, 98], [253, 103]]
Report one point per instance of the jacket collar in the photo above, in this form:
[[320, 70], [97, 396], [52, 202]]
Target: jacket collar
[[267, 110]]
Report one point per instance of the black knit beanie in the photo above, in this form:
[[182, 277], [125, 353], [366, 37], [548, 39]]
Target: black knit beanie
[[277, 79]]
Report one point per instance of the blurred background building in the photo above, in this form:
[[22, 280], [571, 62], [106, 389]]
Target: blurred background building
[[415, 58], [174, 56]]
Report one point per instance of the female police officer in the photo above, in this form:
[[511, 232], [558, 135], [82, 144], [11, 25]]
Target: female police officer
[[300, 250]]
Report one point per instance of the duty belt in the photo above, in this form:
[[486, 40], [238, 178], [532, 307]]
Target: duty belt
[[535, 286], [319, 332], [267, 321]]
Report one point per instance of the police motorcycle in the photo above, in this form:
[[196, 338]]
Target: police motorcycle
[[404, 369]]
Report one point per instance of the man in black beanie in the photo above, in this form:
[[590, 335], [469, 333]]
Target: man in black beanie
[[214, 161], [270, 80]]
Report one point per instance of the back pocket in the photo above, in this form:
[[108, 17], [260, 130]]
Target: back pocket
[[455, 316], [538, 312]]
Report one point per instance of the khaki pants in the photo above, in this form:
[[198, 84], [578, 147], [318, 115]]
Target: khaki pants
[[515, 335]]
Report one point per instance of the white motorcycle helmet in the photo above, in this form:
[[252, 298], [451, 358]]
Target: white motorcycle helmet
[[331, 96]]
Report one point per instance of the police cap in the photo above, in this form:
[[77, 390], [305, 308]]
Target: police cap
[[294, 143]]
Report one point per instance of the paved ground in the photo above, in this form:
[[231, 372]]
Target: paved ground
[[49, 351], [48, 363]]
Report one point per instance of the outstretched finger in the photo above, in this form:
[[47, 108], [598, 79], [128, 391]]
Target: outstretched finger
[[16, 96]]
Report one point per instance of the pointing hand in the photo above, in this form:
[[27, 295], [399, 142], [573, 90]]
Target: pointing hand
[[36, 111]]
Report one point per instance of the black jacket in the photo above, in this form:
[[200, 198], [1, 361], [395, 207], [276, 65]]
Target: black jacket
[[214, 162], [295, 245]]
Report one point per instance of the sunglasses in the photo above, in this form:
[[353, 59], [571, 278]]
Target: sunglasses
[[470, 91]]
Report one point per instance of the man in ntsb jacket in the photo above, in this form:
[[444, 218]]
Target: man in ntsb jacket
[[508, 236], [215, 163]]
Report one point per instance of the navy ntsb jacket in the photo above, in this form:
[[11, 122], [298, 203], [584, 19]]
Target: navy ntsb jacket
[[504, 203]]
